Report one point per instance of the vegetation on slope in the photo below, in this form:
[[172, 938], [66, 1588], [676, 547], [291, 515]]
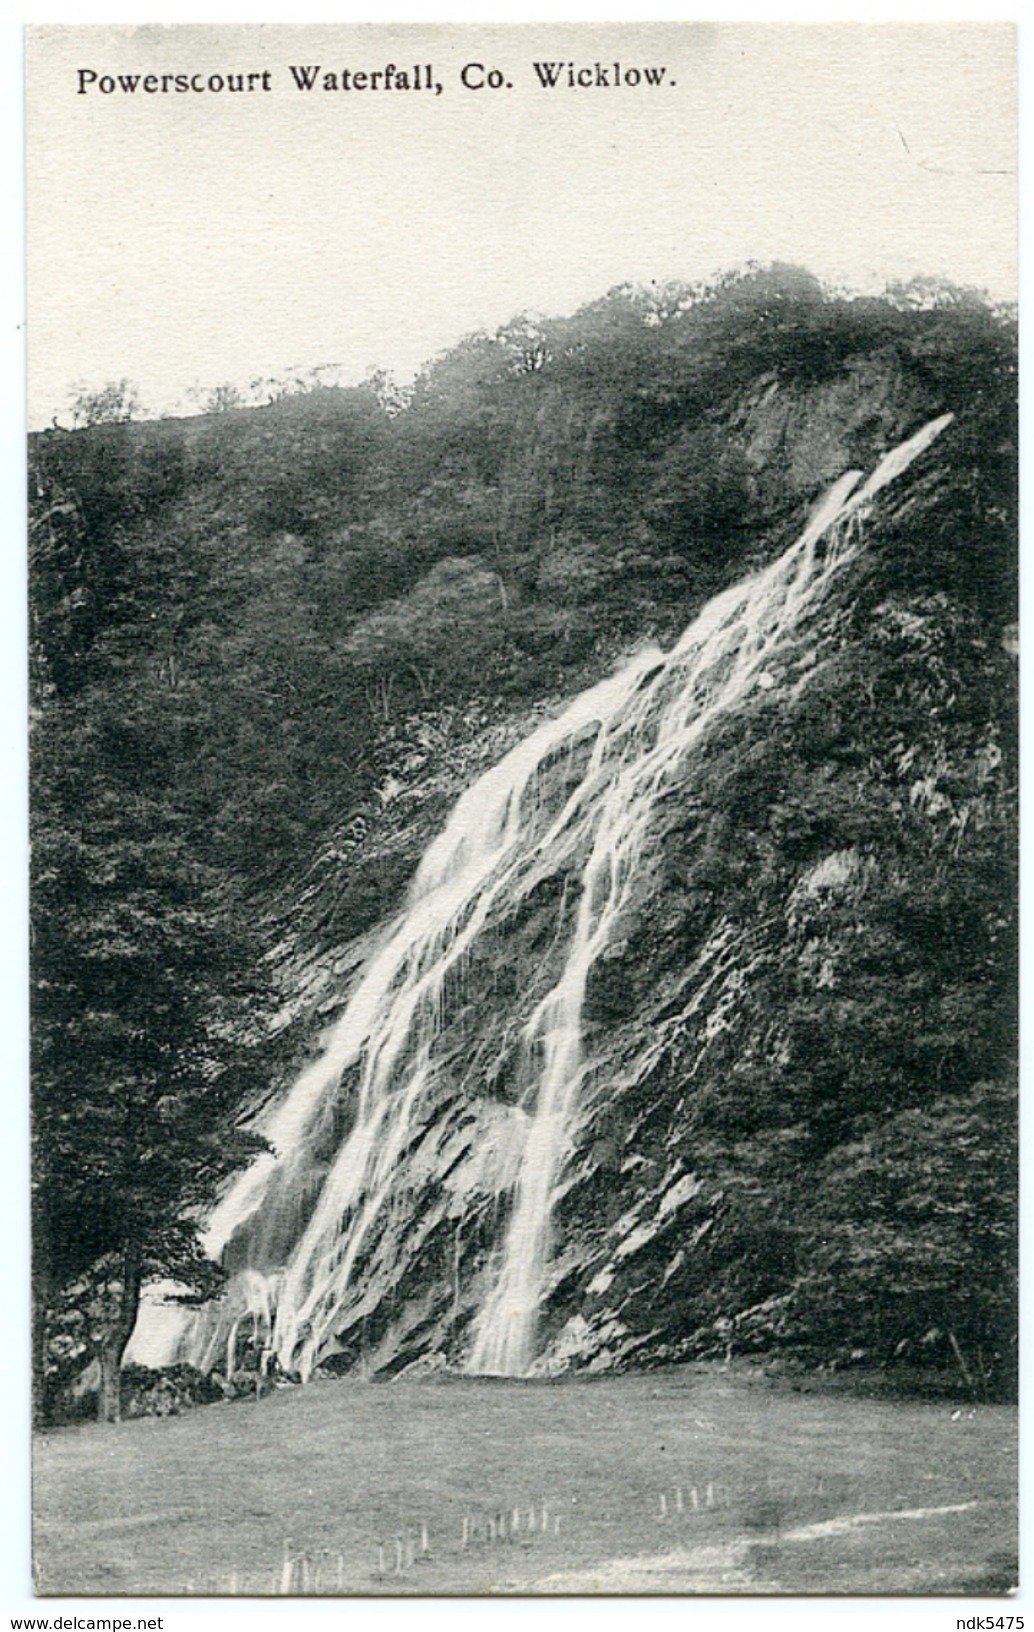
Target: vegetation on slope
[[845, 1095], [255, 631]]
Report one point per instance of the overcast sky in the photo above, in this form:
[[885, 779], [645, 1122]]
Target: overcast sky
[[195, 239]]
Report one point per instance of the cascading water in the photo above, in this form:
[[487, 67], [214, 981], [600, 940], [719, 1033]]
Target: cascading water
[[297, 1258]]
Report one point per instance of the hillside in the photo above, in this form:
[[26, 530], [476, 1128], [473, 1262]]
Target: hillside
[[272, 648]]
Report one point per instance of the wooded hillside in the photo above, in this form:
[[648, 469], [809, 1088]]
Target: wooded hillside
[[270, 645]]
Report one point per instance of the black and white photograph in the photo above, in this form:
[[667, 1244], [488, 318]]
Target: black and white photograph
[[522, 648]]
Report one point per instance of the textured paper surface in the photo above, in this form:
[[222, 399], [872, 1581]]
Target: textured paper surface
[[192, 238], [215, 207]]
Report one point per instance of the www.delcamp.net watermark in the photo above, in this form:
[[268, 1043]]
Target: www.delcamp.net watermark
[[88, 1623]]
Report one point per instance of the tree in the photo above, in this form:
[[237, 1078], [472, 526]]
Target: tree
[[222, 399], [909, 1239], [145, 1002], [142, 1025], [115, 403]]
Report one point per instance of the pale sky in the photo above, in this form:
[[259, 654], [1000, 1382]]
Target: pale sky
[[197, 239]]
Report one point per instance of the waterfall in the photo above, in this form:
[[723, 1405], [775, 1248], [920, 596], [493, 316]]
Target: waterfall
[[296, 1257]]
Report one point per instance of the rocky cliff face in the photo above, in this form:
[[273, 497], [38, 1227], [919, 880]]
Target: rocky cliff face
[[784, 1122]]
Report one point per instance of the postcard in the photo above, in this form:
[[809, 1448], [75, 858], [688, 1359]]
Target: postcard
[[523, 632]]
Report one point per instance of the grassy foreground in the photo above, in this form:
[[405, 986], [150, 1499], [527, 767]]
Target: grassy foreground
[[679, 1481]]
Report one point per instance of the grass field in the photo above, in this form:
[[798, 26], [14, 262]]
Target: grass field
[[681, 1481]]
